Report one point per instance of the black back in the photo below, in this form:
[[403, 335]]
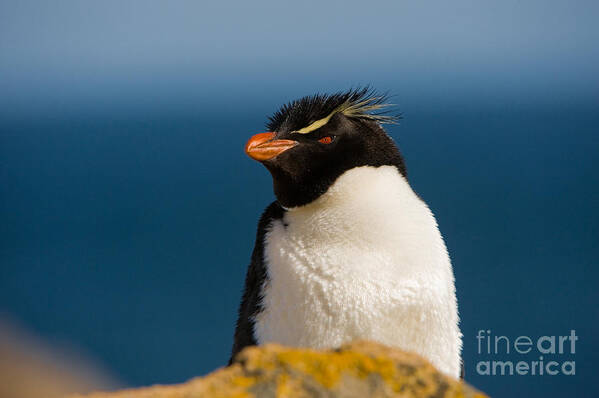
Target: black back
[[254, 281]]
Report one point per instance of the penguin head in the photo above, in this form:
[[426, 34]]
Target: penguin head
[[314, 140]]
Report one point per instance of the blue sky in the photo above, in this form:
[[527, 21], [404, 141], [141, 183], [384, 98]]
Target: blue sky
[[146, 54]]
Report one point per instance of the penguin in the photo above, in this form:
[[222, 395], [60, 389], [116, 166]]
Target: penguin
[[347, 250]]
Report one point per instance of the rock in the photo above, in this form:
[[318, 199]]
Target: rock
[[360, 369]]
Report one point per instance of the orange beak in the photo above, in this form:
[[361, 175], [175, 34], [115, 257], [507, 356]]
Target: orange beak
[[263, 146]]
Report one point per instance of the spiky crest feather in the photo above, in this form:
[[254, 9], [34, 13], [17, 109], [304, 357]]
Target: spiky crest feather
[[309, 113]]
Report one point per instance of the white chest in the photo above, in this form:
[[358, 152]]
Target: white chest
[[365, 260]]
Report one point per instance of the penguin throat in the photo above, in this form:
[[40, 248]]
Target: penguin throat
[[359, 187]]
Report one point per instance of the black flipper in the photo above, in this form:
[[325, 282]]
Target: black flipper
[[254, 281]]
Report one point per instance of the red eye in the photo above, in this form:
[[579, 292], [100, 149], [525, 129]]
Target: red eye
[[326, 140]]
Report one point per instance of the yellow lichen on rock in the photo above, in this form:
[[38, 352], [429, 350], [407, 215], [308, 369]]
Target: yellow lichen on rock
[[359, 369]]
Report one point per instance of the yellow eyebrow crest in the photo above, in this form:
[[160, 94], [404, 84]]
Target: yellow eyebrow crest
[[316, 125], [356, 109]]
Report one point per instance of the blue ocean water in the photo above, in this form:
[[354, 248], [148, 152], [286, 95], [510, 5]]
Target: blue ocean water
[[128, 238]]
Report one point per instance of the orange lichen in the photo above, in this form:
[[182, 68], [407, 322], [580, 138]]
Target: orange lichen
[[357, 369]]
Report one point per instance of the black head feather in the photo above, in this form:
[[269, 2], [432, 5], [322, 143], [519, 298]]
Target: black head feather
[[304, 111]]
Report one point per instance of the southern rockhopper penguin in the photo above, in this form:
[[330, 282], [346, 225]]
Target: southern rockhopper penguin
[[348, 250]]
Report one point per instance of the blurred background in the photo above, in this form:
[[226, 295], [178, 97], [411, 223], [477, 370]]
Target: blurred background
[[128, 208]]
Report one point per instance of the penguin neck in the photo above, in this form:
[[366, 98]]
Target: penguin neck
[[359, 187]]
